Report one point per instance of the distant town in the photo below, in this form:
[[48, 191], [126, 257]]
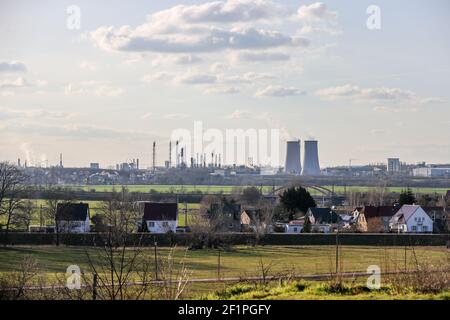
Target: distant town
[[205, 169]]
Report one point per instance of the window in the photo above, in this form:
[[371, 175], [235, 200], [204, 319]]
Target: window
[[151, 224], [414, 228], [425, 228], [165, 224]]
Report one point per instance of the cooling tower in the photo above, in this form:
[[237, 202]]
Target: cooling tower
[[293, 165], [311, 165]]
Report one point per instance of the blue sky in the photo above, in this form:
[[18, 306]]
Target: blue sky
[[135, 71]]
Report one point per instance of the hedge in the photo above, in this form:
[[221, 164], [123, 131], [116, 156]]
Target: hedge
[[186, 239]]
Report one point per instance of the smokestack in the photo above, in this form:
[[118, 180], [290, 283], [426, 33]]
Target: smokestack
[[177, 162], [60, 160], [311, 165], [293, 164], [18, 162], [182, 156], [137, 163], [170, 154], [154, 156]]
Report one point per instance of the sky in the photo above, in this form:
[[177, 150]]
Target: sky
[[99, 81]]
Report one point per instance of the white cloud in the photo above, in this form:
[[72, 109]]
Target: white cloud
[[87, 65], [432, 100], [264, 56], [93, 88], [311, 29], [9, 113], [208, 27], [249, 77], [239, 114], [279, 91], [221, 90], [157, 76], [108, 91], [195, 78], [221, 12], [191, 39], [349, 91], [175, 59], [12, 66], [14, 83], [317, 11]]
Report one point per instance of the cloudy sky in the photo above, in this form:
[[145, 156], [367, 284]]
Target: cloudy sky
[[134, 71]]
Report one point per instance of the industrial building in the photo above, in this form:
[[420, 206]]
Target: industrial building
[[311, 165], [431, 172], [293, 164], [393, 165]]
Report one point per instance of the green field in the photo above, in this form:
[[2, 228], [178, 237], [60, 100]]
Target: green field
[[246, 261], [235, 189], [239, 261]]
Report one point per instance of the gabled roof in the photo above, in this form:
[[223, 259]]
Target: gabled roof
[[253, 214], [405, 212], [233, 209], [156, 211], [379, 211], [324, 215], [72, 211]]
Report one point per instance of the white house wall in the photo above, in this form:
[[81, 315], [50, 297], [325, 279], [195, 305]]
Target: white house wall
[[419, 219], [162, 226]]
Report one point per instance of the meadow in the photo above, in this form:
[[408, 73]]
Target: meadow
[[227, 189], [238, 261]]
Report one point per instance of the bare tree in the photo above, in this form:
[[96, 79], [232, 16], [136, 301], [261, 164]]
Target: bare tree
[[13, 285], [23, 216], [55, 196], [11, 193]]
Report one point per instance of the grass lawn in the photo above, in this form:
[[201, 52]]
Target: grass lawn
[[302, 290], [239, 261]]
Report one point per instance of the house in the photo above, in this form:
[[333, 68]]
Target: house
[[253, 220], [440, 217], [359, 222], [295, 226], [377, 217], [322, 220], [353, 222], [72, 217], [159, 217], [411, 218], [226, 216]]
